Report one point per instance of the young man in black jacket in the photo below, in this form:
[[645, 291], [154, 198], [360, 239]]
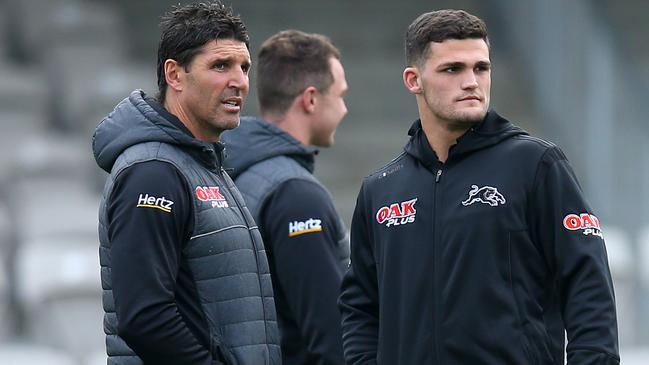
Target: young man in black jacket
[[183, 268], [301, 85], [475, 245]]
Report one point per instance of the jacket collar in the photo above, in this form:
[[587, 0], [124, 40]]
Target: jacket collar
[[210, 154], [268, 140], [492, 130]]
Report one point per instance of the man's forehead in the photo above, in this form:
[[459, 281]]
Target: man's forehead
[[338, 72], [459, 50], [226, 48]]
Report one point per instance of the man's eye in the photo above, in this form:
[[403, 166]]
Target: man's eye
[[452, 70], [220, 66], [245, 68]]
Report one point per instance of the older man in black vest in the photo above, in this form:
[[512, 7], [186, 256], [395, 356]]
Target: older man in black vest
[[184, 271]]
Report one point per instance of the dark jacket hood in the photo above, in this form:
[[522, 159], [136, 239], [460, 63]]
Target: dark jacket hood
[[135, 121], [256, 140], [492, 130]]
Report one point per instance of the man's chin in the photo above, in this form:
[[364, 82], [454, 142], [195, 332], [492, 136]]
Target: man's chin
[[232, 123], [466, 120]]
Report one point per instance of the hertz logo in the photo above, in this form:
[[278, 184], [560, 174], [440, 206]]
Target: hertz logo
[[146, 201], [297, 228]]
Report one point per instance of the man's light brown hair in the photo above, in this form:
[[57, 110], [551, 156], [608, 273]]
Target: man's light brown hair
[[289, 62]]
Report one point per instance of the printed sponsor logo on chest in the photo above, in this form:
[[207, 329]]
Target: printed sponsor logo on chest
[[397, 214], [211, 194], [584, 222]]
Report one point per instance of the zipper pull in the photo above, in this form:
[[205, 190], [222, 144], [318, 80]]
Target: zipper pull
[[439, 174]]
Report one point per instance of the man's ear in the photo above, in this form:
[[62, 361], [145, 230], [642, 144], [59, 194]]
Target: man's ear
[[174, 74], [308, 99], [412, 81]]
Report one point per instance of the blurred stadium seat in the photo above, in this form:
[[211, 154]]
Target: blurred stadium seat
[[620, 257], [53, 155], [22, 104], [26, 354], [6, 324], [56, 264], [642, 263], [48, 208], [97, 358], [643, 256], [634, 356], [7, 250], [60, 292]]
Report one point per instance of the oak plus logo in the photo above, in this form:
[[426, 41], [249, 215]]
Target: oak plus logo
[[397, 214], [150, 201], [297, 228], [584, 222], [485, 195], [211, 194]]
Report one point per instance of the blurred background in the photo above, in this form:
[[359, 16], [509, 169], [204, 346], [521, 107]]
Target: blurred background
[[574, 72]]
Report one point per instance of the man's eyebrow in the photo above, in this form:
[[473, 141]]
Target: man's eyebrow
[[220, 59], [452, 64], [462, 64], [228, 59]]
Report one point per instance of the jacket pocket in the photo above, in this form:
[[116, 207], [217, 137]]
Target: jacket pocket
[[539, 344], [524, 341], [221, 352], [534, 339]]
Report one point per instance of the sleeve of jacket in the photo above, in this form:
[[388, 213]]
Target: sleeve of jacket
[[147, 237], [359, 301], [570, 236], [299, 224]]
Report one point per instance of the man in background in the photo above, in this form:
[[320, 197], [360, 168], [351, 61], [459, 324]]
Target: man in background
[[301, 85]]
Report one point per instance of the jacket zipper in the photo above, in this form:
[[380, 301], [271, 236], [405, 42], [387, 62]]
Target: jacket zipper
[[436, 289]]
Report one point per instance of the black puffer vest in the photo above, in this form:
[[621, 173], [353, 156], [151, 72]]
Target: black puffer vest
[[225, 253]]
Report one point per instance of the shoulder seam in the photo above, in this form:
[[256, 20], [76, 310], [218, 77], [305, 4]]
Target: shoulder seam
[[392, 162], [539, 141], [318, 184], [315, 182]]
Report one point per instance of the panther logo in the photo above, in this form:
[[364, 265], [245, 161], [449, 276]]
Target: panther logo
[[485, 195]]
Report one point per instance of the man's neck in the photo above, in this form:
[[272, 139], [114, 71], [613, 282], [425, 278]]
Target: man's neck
[[176, 109], [440, 137], [290, 123], [160, 109]]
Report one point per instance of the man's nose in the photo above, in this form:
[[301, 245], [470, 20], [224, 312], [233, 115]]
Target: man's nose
[[470, 81], [239, 79]]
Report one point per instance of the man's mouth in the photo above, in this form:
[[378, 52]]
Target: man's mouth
[[233, 103], [470, 97]]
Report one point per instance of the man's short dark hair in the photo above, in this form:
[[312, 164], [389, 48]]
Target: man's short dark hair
[[289, 62], [186, 29], [438, 26]]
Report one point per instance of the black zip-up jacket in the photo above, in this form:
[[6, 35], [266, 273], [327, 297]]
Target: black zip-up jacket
[[484, 259]]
